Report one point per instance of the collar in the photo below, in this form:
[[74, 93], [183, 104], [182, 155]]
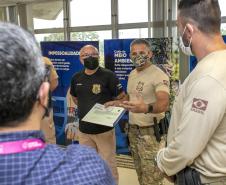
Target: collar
[[14, 136]]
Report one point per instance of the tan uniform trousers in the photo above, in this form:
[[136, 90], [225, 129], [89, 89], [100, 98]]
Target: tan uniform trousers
[[48, 127], [213, 181], [105, 146], [144, 148]]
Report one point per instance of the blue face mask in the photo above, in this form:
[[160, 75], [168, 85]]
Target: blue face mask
[[185, 49]]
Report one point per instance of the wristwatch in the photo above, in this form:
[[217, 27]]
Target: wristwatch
[[150, 108]]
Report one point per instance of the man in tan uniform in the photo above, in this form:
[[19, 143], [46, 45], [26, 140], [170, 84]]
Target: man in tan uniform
[[197, 132], [148, 92], [47, 124]]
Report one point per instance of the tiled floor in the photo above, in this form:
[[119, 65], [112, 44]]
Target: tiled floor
[[129, 177]]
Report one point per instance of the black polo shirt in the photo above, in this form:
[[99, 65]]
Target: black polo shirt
[[100, 87]]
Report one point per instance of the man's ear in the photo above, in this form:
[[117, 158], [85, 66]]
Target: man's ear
[[150, 54], [43, 93], [81, 60], [190, 28]]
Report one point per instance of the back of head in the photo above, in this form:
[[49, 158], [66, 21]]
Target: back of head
[[21, 74], [205, 14]]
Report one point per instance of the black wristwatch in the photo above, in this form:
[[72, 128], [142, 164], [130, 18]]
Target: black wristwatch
[[150, 108]]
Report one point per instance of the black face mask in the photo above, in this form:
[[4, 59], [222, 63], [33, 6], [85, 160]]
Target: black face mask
[[91, 63]]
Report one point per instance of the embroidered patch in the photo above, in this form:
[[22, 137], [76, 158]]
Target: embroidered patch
[[96, 89], [165, 82], [140, 86], [119, 86], [199, 105]]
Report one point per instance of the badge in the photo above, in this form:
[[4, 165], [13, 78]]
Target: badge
[[165, 82], [140, 86], [96, 89]]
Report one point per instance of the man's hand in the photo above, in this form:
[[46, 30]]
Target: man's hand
[[169, 178], [118, 100], [71, 131], [115, 103], [136, 106]]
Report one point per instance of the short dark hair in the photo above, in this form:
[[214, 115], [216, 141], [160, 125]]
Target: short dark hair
[[205, 14], [21, 73], [140, 41]]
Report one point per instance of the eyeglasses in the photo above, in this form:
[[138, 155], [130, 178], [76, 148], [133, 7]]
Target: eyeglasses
[[85, 55]]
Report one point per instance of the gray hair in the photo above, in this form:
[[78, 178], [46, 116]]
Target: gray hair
[[21, 73], [140, 41]]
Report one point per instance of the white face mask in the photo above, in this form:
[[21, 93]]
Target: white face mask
[[185, 49]]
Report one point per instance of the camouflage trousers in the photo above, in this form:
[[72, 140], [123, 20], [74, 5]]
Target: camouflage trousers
[[144, 147]]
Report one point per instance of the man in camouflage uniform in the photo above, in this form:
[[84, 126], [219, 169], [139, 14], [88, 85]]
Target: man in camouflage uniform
[[148, 95]]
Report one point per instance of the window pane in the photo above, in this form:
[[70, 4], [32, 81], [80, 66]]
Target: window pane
[[90, 12], [223, 29], [131, 11], [48, 15], [2, 14], [133, 33], [49, 37], [223, 7], [92, 36]]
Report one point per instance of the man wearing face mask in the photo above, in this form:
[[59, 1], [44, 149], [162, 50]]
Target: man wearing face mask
[[148, 95], [196, 137], [93, 85]]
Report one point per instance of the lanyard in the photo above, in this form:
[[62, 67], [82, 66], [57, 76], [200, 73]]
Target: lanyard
[[13, 147]]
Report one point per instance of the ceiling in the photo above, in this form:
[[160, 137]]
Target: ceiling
[[42, 9]]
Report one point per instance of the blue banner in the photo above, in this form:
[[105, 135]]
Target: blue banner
[[116, 57], [65, 58]]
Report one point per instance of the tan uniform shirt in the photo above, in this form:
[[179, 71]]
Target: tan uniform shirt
[[197, 133], [146, 83], [47, 124]]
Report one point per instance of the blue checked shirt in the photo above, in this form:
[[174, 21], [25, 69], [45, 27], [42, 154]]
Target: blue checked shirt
[[52, 165]]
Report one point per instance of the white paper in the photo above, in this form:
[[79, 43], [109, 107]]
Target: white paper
[[104, 116]]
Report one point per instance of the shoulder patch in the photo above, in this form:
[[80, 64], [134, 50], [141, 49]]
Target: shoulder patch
[[199, 105]]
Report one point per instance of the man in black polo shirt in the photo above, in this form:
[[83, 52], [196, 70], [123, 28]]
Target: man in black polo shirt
[[93, 85]]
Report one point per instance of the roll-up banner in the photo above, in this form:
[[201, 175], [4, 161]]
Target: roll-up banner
[[65, 58]]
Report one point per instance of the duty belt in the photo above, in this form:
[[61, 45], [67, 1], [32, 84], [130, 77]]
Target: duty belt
[[144, 130]]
